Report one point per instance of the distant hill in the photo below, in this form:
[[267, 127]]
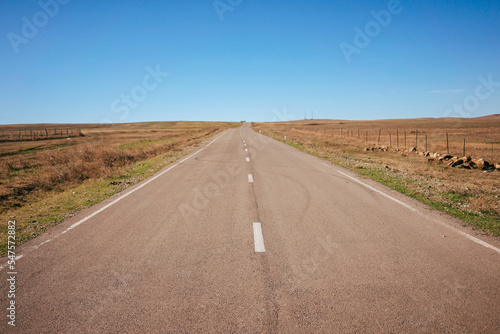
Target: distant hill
[[493, 117], [490, 117]]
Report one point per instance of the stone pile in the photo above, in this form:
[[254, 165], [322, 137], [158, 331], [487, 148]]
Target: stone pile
[[465, 162], [447, 160], [377, 148]]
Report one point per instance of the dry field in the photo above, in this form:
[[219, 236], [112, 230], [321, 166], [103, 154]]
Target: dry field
[[468, 194], [45, 180]]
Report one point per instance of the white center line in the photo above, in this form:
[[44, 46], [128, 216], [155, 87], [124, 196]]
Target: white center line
[[246, 150], [258, 238], [245, 144], [248, 159], [250, 178]]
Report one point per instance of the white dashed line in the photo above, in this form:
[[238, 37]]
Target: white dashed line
[[258, 238], [246, 150], [250, 178], [248, 159]]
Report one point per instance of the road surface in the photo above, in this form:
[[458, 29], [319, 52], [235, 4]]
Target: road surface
[[250, 235]]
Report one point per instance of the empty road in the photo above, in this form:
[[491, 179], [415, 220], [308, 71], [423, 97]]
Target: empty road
[[250, 235]]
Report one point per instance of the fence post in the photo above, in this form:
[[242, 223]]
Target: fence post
[[425, 143], [405, 138], [397, 138], [464, 148], [379, 131], [447, 144], [416, 139]]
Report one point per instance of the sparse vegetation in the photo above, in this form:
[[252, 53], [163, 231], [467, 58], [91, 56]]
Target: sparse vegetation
[[44, 182], [469, 194]]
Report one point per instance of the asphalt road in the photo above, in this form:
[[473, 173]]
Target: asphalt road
[[181, 253]]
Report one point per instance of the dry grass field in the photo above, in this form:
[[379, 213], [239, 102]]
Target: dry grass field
[[45, 180], [469, 194], [481, 135]]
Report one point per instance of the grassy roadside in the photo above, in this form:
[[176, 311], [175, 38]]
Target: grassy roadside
[[44, 209], [472, 196]]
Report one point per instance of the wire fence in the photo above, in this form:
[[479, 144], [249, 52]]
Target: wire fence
[[13, 135], [483, 143]]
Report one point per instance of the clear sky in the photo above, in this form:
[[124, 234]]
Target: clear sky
[[127, 61]]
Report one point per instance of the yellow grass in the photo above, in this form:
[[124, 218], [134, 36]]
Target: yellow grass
[[482, 135]]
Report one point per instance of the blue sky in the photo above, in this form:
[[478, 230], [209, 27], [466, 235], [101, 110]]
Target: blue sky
[[95, 61]]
